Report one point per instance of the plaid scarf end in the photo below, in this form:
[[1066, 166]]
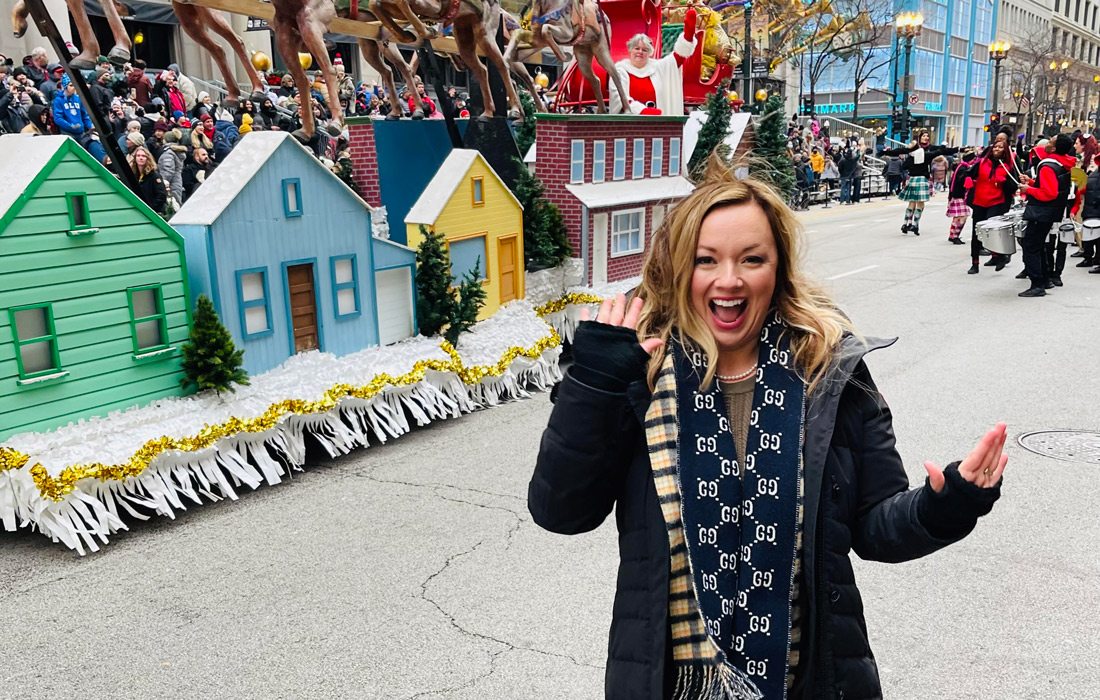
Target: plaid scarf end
[[721, 681]]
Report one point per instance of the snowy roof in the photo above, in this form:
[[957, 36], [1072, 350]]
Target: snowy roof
[[450, 175], [650, 189], [531, 154], [230, 177], [22, 157]]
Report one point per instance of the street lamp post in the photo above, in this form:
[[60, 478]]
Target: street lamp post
[[998, 50], [909, 25], [1058, 68], [746, 60], [1096, 114]]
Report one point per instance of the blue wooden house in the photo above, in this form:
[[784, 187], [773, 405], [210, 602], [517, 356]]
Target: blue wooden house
[[284, 250], [93, 290]]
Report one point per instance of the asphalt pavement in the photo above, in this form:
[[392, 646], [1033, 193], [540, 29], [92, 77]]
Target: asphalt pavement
[[412, 570]]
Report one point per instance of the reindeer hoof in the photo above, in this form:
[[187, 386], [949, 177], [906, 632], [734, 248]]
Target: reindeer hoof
[[515, 115], [417, 114], [485, 118], [119, 55], [302, 136], [407, 37], [258, 96], [391, 117], [333, 130], [82, 64]]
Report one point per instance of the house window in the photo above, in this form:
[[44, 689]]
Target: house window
[[80, 221], [477, 194], [626, 231], [467, 253], [619, 171], [292, 197], [674, 156], [255, 307], [345, 285], [637, 171], [599, 161], [657, 157], [576, 161], [148, 322], [35, 341]]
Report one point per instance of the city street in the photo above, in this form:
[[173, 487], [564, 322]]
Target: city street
[[412, 569]]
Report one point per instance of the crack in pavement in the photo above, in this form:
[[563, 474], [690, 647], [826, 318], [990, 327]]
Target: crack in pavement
[[509, 538]]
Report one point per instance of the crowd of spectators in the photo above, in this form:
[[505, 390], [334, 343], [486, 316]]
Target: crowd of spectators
[[824, 163], [173, 135]]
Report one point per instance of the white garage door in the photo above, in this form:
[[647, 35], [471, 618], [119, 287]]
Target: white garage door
[[395, 305]]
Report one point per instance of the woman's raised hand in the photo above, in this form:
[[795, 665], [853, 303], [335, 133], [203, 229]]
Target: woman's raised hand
[[617, 312], [984, 465]]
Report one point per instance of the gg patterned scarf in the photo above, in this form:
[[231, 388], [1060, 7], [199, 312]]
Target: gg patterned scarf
[[731, 521]]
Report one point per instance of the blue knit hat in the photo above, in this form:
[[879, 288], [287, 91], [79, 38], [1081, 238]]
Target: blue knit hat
[[65, 80]]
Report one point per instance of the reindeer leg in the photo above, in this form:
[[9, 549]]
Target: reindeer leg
[[492, 52], [287, 42], [372, 54], [378, 9], [217, 22], [19, 14], [407, 73], [550, 40], [120, 52], [603, 55], [584, 63], [467, 42], [422, 30], [314, 39], [520, 72], [85, 60], [191, 20]]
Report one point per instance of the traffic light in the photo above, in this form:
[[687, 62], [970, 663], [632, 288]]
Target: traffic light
[[994, 122], [807, 105]]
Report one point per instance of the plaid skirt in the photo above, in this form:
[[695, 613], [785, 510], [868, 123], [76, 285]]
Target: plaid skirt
[[916, 190], [957, 207]]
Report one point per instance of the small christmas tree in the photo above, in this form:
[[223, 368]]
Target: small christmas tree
[[471, 297], [771, 161], [545, 240], [434, 297], [712, 136], [525, 130], [344, 170], [210, 359]]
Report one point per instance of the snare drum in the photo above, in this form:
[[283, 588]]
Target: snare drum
[[1090, 229], [998, 235], [1067, 232]]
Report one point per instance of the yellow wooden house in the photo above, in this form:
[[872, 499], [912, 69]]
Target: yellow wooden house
[[481, 222]]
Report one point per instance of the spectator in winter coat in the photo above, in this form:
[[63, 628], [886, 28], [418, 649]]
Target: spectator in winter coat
[[171, 163], [53, 79], [186, 87], [203, 105], [38, 123], [156, 143], [817, 162], [857, 176], [134, 141], [197, 168], [167, 89], [150, 188], [139, 83], [102, 94], [846, 167], [72, 119], [36, 67], [895, 173], [132, 127], [202, 135], [672, 404], [13, 112]]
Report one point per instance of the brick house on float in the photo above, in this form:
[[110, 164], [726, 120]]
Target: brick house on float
[[613, 177]]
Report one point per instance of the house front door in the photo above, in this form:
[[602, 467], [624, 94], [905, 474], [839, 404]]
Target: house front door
[[303, 307], [508, 266], [599, 248]]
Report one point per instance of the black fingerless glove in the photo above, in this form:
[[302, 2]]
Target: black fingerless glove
[[953, 512], [607, 357]]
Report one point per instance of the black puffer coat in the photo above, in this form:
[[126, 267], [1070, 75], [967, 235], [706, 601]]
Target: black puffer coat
[[594, 457]]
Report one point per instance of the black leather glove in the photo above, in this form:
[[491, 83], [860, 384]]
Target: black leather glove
[[954, 511], [607, 357]]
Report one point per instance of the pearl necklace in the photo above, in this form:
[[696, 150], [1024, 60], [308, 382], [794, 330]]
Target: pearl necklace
[[736, 377]]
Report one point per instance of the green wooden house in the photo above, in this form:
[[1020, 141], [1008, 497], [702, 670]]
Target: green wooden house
[[93, 290]]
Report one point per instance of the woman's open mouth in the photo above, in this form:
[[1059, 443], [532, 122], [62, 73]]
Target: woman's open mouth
[[728, 314]]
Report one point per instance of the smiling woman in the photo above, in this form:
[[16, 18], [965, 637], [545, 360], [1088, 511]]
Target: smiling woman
[[739, 500]]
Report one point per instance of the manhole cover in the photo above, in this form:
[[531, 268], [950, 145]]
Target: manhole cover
[[1066, 445]]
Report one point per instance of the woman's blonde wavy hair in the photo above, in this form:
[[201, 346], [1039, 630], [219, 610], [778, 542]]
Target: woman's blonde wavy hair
[[816, 325]]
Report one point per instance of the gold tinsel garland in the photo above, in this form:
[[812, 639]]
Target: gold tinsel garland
[[569, 299], [56, 488]]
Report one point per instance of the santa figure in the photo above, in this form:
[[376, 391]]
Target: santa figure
[[655, 86]]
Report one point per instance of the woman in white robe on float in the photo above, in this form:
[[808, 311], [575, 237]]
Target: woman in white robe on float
[[655, 86]]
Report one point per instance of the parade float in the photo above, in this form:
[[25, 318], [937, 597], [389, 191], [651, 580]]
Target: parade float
[[286, 253]]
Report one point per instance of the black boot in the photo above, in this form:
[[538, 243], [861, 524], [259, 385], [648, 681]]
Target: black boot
[[1033, 292], [973, 269]]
